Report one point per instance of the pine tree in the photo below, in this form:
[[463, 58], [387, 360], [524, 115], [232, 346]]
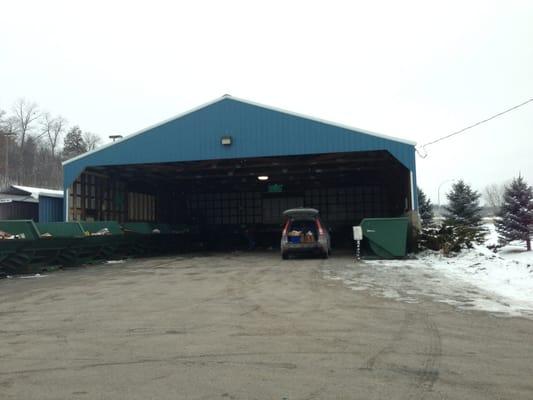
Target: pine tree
[[425, 208], [74, 143], [516, 214], [428, 237], [463, 217]]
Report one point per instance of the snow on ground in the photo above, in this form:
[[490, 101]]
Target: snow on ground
[[503, 280], [32, 276], [474, 279], [492, 236]]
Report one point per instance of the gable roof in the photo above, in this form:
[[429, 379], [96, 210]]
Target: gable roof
[[32, 192], [257, 131], [227, 96], [8, 198]]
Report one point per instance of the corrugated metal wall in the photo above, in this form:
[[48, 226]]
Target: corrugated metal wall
[[336, 205], [256, 132], [19, 210], [50, 209]]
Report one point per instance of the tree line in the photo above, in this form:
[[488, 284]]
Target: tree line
[[462, 226], [33, 143]]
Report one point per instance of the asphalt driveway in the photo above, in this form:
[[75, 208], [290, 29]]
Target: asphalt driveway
[[247, 326]]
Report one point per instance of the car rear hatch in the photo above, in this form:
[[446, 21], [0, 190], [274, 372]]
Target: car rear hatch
[[301, 213], [302, 228]]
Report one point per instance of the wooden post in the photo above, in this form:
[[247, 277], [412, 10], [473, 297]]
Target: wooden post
[[83, 198]]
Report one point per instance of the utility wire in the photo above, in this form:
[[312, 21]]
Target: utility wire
[[471, 126]]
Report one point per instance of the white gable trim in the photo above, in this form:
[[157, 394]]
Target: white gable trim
[[226, 96], [323, 121], [144, 130]]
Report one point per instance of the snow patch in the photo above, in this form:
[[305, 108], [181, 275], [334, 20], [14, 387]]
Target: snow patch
[[506, 280], [33, 276], [115, 261], [492, 236], [474, 279]]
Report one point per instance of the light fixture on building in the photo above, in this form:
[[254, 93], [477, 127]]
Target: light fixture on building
[[115, 137], [263, 177], [226, 140]]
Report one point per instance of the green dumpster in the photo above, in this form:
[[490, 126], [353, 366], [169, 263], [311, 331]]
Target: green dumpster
[[181, 241], [180, 229], [78, 249], [34, 253], [171, 237], [107, 236], [8, 248], [164, 229], [165, 238], [145, 241], [154, 238], [387, 237]]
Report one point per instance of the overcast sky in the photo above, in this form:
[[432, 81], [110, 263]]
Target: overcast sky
[[416, 70]]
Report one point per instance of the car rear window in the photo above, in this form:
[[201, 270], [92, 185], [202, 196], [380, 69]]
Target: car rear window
[[303, 226]]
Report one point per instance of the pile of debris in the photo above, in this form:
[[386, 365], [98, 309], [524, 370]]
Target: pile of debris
[[9, 236], [301, 237], [101, 232]]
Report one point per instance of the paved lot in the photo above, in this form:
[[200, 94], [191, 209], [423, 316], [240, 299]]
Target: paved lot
[[246, 326]]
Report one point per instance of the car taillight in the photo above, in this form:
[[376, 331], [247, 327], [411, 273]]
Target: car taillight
[[285, 229], [320, 229]]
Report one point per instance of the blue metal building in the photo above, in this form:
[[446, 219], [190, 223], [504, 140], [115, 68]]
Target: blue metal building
[[50, 208], [204, 166], [38, 204]]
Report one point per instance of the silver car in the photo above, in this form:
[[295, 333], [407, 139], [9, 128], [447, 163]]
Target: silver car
[[304, 232]]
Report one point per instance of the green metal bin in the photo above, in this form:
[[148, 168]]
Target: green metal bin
[[387, 237], [34, 253], [145, 242], [109, 246], [78, 250], [8, 248], [171, 238]]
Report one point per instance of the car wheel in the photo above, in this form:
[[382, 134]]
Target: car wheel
[[325, 255], [284, 256]]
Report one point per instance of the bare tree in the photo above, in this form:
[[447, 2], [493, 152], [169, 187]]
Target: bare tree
[[53, 129], [5, 146], [493, 195], [7, 123], [92, 141], [25, 114], [2, 120], [9, 154]]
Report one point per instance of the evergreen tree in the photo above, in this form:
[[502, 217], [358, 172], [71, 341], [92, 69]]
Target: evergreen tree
[[428, 237], [463, 217], [516, 214], [425, 208], [74, 144]]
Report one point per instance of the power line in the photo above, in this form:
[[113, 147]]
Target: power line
[[472, 126]]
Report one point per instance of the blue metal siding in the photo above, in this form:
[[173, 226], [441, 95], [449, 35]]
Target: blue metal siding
[[50, 209], [256, 132]]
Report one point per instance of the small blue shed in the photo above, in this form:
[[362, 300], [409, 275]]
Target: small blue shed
[[234, 162], [25, 202], [50, 208]]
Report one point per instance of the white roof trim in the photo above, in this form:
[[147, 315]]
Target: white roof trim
[[8, 198], [323, 121], [226, 96], [145, 130], [36, 192]]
